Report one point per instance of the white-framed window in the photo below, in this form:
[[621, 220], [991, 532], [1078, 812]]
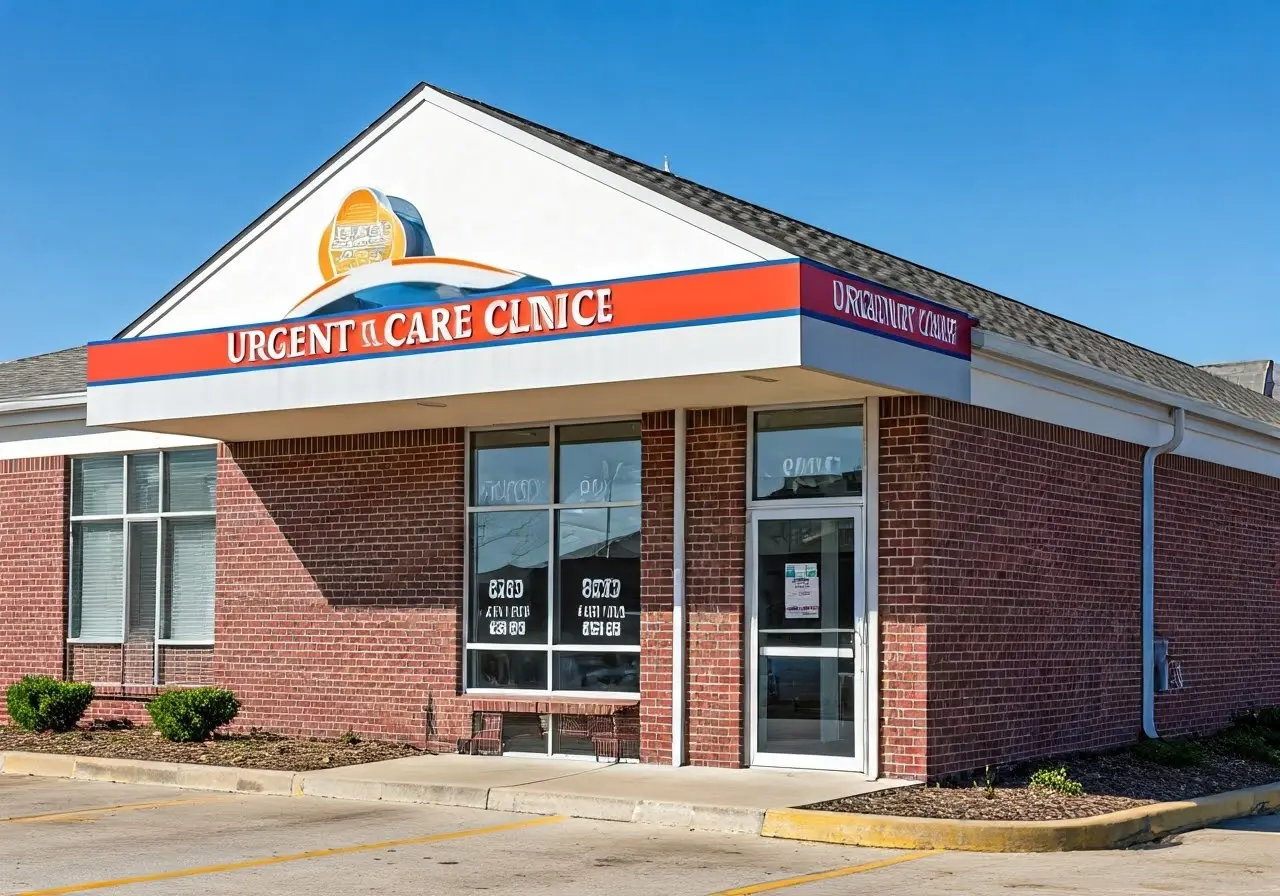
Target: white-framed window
[[142, 547], [553, 535], [807, 453]]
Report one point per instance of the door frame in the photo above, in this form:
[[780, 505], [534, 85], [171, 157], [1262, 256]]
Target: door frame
[[856, 762], [867, 750]]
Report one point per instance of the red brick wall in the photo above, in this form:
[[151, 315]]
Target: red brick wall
[[657, 447], [715, 546], [33, 562], [339, 584], [1012, 547], [1216, 591]]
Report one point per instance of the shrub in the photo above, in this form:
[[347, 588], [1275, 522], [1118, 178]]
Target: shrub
[[41, 703], [1265, 721], [1056, 779], [194, 714], [1248, 743], [1174, 753]]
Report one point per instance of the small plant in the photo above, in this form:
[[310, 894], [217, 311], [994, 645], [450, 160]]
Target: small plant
[[1172, 753], [350, 738], [194, 714], [1265, 722], [1056, 779], [990, 790], [1248, 743], [41, 703]]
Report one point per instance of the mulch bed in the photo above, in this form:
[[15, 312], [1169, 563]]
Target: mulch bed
[[254, 750], [1111, 782]]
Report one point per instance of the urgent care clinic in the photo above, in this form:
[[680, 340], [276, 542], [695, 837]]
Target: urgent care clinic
[[492, 441]]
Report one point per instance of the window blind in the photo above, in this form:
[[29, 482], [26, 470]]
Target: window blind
[[98, 486], [188, 579], [97, 579]]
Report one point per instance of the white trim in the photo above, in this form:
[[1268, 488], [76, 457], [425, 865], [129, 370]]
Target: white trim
[[870, 621], [41, 402], [1006, 347], [621, 697]]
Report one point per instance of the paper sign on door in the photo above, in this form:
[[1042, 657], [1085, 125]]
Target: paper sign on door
[[801, 591]]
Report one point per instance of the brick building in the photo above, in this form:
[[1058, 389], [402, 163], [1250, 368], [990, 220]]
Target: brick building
[[559, 453]]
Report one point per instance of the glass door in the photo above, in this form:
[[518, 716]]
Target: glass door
[[807, 622]]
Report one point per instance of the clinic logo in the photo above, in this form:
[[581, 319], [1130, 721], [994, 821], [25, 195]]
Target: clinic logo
[[375, 252]]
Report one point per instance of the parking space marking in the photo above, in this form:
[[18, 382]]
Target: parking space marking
[[80, 814], [292, 857], [827, 875]]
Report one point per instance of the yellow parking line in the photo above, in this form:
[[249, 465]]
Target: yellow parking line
[[827, 875], [122, 807], [292, 857]]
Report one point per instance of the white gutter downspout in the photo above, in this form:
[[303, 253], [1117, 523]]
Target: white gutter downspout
[[1149, 570], [677, 594]]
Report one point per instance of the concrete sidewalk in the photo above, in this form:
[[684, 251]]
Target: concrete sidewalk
[[698, 798]]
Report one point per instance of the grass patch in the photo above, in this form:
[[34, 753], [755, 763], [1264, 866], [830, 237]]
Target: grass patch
[[1173, 753]]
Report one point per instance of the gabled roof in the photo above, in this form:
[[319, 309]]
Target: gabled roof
[[1256, 376], [995, 313], [55, 373]]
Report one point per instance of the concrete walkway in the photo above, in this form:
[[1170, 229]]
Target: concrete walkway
[[702, 798]]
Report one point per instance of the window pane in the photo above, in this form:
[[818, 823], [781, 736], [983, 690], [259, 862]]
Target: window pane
[[97, 579], [190, 479], [524, 669], [98, 486], [142, 576], [598, 672], [817, 552], [598, 576], [599, 462], [808, 453], [524, 732], [188, 579], [510, 468], [509, 553], [144, 483]]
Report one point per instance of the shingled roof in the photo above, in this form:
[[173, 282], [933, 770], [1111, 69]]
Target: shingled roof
[[995, 313], [55, 373]]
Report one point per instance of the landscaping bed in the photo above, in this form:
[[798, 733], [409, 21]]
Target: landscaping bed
[[253, 750], [1153, 772]]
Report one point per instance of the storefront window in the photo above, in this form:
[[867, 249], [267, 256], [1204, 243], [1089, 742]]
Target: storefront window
[[808, 453], [142, 539], [554, 600]]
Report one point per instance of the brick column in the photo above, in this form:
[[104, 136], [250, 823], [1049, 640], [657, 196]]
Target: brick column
[[657, 483], [33, 568], [716, 494]]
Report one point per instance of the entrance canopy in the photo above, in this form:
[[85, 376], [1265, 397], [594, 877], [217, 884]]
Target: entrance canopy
[[389, 346]]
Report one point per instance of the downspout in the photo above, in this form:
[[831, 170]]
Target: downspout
[[1149, 570], [677, 594]]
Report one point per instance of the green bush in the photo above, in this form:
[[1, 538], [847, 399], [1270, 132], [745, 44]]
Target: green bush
[[192, 715], [1056, 779], [1265, 721], [41, 703], [1248, 743], [1174, 753]]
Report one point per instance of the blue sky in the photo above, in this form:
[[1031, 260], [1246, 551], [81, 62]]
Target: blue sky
[[1112, 162]]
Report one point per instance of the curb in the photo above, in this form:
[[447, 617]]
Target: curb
[[721, 819], [1115, 830]]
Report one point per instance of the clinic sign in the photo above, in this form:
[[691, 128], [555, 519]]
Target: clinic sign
[[502, 317], [861, 304]]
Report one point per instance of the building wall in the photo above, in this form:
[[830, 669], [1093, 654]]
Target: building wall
[[1216, 590], [657, 491], [33, 562], [1010, 578], [715, 548], [339, 584]]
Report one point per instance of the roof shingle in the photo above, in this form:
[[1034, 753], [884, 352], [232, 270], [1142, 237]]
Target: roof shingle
[[55, 373]]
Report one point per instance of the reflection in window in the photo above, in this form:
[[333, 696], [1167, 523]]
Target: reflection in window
[[585, 634], [808, 453], [510, 468]]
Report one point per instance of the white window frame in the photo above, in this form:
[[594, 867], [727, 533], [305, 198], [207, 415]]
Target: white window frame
[[550, 647], [126, 519]]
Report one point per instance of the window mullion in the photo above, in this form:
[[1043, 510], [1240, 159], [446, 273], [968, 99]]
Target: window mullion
[[157, 621]]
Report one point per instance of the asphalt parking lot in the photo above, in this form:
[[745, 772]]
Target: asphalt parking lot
[[59, 837]]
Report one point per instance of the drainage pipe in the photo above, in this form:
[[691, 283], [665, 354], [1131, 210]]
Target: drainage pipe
[[677, 593], [1149, 570]]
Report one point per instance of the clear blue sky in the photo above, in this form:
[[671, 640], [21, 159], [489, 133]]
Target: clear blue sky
[[1117, 163]]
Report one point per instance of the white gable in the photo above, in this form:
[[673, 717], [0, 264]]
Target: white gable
[[487, 192]]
